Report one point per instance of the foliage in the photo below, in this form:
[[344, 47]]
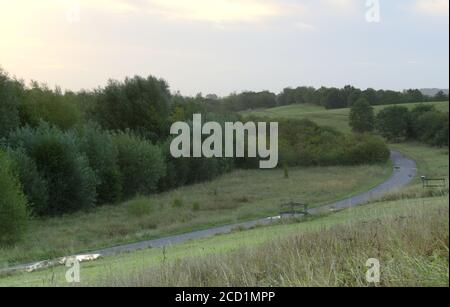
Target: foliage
[[362, 116], [102, 153], [10, 98], [71, 182], [53, 107], [140, 162], [34, 185], [393, 122], [13, 205], [138, 104]]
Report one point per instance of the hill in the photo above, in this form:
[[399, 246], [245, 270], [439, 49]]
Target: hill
[[337, 118]]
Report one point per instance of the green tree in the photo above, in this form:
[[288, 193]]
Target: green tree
[[102, 153], [53, 107], [362, 116], [138, 104], [13, 204], [334, 99], [71, 182], [441, 96], [393, 123], [9, 104], [140, 162]]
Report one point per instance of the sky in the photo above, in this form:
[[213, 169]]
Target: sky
[[225, 46]]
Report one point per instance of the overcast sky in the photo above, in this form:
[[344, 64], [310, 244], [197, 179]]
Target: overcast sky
[[222, 46]]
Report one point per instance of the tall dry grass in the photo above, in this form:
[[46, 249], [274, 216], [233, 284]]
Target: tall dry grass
[[412, 249]]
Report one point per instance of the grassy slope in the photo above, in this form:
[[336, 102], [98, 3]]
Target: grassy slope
[[104, 225], [334, 118], [307, 253], [237, 196]]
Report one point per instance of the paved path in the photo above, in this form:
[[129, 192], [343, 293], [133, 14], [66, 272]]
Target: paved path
[[404, 172]]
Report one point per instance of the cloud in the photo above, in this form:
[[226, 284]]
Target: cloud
[[432, 6], [304, 27], [341, 4], [216, 10]]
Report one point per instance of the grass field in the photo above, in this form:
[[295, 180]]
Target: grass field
[[431, 162], [413, 225], [334, 118], [409, 237], [238, 196]]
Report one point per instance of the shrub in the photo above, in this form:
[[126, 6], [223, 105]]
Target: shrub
[[140, 162], [34, 185], [72, 183], [139, 207], [183, 171], [13, 205], [177, 203], [102, 154], [365, 149], [196, 206], [304, 143], [429, 125]]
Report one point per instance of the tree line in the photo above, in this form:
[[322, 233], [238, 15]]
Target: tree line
[[423, 123], [329, 98]]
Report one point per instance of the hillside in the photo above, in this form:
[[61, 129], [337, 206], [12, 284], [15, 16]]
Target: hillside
[[337, 118], [297, 253], [415, 219]]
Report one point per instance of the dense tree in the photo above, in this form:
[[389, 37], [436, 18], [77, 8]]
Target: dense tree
[[139, 104], [140, 162], [362, 116], [334, 99], [13, 204], [71, 182], [10, 95], [441, 96], [53, 107], [393, 123], [102, 154]]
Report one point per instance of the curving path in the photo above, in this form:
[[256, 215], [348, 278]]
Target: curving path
[[405, 170]]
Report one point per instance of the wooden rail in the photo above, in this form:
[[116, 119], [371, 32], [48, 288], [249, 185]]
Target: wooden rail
[[293, 209], [433, 182]]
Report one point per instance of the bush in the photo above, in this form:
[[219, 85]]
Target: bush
[[183, 171], [365, 149], [429, 125], [303, 143], [34, 185], [72, 183], [139, 207], [102, 154], [13, 205], [177, 203], [195, 207], [140, 162]]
